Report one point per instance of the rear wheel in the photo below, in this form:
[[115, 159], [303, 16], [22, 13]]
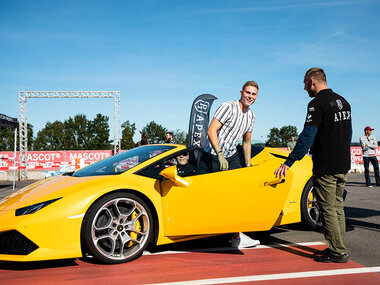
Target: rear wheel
[[310, 212], [117, 228]]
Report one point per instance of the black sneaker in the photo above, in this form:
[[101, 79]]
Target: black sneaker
[[343, 258], [321, 252]]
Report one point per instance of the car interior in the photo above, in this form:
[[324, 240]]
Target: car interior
[[201, 160]]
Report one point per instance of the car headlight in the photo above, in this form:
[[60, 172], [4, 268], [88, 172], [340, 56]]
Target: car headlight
[[34, 208]]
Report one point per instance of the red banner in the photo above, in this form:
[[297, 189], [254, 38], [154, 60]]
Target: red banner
[[52, 159], [48, 160], [357, 154]]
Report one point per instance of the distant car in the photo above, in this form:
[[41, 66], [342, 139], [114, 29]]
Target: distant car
[[111, 210]]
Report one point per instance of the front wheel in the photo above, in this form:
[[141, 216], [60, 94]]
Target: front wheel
[[117, 228], [310, 212]]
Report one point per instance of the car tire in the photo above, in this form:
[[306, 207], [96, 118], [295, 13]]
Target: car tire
[[117, 228], [310, 212]]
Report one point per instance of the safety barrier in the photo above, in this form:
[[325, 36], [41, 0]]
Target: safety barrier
[[76, 164], [52, 160]]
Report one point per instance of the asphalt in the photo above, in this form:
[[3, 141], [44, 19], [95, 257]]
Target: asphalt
[[362, 206], [6, 187]]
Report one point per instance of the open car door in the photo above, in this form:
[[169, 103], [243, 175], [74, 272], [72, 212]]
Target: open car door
[[245, 199]]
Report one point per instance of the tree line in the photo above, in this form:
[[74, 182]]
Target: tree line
[[80, 133]]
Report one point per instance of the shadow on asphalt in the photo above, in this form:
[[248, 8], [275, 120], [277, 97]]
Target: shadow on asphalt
[[351, 224], [294, 249], [352, 213], [33, 265], [360, 184], [221, 243]]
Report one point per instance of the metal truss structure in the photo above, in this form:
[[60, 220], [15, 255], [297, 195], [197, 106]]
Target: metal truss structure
[[23, 129]]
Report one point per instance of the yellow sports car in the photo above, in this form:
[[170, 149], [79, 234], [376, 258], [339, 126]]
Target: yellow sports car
[[111, 210]]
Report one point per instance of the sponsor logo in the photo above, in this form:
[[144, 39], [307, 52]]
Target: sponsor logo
[[311, 109], [342, 116], [92, 156], [198, 130], [202, 106], [43, 156], [340, 105]]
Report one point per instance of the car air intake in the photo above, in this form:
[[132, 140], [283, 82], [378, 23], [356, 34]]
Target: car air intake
[[12, 242]]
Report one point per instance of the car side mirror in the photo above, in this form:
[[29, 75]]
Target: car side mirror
[[171, 174]]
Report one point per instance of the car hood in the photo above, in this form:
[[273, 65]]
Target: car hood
[[47, 189]]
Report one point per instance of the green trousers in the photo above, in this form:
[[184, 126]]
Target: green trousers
[[329, 190]]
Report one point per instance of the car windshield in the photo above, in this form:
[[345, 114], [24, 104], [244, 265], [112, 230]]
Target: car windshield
[[123, 161]]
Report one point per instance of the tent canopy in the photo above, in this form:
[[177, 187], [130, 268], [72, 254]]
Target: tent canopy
[[6, 121]]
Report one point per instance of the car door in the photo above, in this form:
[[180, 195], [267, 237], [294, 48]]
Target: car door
[[245, 199]]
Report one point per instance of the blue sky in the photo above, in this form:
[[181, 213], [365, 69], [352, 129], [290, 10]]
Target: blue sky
[[162, 54]]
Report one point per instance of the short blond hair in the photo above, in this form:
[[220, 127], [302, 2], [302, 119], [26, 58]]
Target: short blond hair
[[250, 83]]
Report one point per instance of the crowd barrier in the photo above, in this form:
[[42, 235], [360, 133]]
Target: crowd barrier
[[52, 160]]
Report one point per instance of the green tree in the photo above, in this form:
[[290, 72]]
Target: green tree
[[155, 132], [98, 133], [180, 137], [30, 138], [51, 137], [279, 137], [7, 138], [274, 139], [76, 132], [127, 133]]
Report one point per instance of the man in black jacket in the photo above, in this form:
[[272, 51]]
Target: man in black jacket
[[328, 132]]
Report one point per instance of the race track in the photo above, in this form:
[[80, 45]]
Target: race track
[[278, 264], [211, 261]]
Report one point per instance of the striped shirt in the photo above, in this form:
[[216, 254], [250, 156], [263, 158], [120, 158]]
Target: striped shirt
[[235, 124]]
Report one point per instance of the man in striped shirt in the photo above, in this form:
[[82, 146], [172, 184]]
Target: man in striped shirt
[[233, 121]]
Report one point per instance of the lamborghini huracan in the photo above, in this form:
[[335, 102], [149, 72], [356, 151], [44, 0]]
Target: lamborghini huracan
[[112, 209]]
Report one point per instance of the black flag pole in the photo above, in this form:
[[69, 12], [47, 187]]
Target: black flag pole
[[199, 120]]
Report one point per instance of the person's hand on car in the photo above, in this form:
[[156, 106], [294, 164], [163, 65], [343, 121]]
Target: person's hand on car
[[281, 171], [223, 161]]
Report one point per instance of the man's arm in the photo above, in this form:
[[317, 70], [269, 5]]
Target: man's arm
[[304, 142], [363, 144], [213, 137], [372, 143], [247, 148], [212, 133]]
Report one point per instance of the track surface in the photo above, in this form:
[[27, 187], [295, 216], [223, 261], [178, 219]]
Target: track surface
[[260, 265], [198, 262]]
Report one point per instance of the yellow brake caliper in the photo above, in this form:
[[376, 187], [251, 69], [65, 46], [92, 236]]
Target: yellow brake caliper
[[137, 227], [310, 200]]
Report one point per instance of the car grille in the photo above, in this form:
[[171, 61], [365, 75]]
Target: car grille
[[12, 242]]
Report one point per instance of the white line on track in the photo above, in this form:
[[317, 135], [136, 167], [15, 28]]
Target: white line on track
[[267, 277], [230, 248]]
